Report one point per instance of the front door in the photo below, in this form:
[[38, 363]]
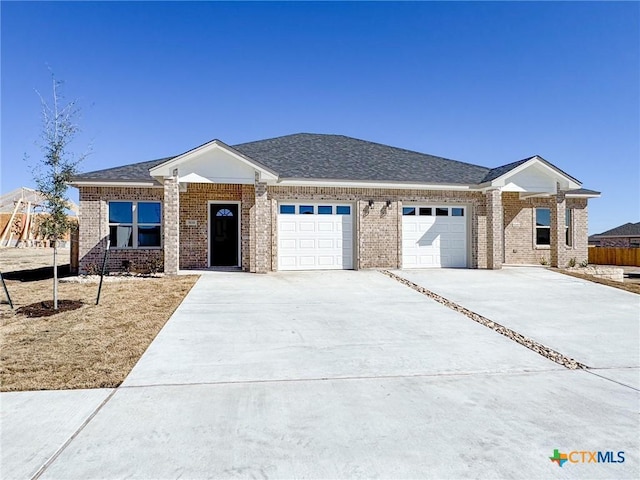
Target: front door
[[223, 238]]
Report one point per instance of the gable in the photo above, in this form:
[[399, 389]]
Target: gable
[[215, 166], [534, 176], [213, 162]]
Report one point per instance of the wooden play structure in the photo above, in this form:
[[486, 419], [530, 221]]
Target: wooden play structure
[[19, 212]]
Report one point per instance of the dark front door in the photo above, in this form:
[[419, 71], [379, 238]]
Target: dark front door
[[224, 235]]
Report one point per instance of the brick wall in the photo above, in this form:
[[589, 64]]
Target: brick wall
[[378, 228], [494, 229], [194, 206], [171, 220], [94, 227], [519, 233]]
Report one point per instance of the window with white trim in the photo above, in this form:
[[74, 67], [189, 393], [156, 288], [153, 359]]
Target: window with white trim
[[543, 226], [135, 224]]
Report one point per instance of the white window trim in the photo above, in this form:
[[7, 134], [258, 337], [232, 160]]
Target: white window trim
[[536, 227], [135, 224], [569, 228]]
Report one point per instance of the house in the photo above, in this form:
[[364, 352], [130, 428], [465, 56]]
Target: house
[[312, 201], [627, 235]]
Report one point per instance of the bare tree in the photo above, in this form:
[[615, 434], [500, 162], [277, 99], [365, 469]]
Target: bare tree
[[56, 168]]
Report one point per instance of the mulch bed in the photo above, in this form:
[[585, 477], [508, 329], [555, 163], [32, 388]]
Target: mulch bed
[[45, 309]]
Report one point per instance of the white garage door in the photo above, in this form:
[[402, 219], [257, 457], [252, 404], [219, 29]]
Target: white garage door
[[434, 236], [315, 236]]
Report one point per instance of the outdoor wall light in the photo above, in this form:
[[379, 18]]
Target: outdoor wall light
[[388, 203], [371, 203]]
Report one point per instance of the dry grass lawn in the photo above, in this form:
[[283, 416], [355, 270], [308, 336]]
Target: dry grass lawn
[[91, 347]]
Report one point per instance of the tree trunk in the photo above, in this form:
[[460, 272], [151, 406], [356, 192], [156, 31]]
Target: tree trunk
[[55, 274]]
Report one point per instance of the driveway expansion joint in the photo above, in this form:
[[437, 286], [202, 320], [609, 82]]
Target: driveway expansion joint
[[531, 344], [58, 452], [344, 378]]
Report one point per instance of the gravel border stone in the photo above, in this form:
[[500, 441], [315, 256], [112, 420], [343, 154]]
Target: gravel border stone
[[540, 349]]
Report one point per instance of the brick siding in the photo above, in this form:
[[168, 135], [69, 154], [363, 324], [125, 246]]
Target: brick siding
[[194, 207], [94, 228], [377, 229], [519, 233]]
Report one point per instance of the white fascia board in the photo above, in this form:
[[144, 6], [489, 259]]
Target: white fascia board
[[535, 161], [582, 195], [98, 183], [166, 169], [364, 184]]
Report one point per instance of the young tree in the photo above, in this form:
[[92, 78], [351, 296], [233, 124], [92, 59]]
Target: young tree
[[56, 168]]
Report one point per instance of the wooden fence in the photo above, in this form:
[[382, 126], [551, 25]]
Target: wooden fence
[[614, 256]]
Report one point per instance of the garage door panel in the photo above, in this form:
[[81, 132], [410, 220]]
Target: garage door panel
[[326, 227], [315, 241], [286, 243], [287, 261], [285, 226], [434, 241], [326, 243], [307, 243], [326, 261]]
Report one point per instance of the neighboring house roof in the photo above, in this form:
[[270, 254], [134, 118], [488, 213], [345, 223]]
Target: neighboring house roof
[[306, 156], [626, 230]]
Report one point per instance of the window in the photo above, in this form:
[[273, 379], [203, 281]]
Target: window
[[543, 226], [442, 212], [224, 212], [343, 210], [634, 242], [287, 209], [408, 211], [426, 211], [306, 209], [135, 224], [325, 209], [457, 212], [568, 228]]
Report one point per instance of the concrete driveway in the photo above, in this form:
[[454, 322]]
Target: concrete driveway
[[597, 325], [335, 375]]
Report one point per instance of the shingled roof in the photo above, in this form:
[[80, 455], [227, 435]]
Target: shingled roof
[[626, 230], [134, 172], [308, 156], [336, 157]]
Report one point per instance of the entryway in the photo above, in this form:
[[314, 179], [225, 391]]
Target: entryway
[[224, 234]]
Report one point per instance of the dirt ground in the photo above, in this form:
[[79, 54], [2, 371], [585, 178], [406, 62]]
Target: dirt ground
[[12, 259]]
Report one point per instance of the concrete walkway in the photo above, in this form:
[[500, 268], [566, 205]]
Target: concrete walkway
[[330, 375]]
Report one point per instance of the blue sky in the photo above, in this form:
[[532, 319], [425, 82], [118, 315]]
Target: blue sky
[[485, 83]]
